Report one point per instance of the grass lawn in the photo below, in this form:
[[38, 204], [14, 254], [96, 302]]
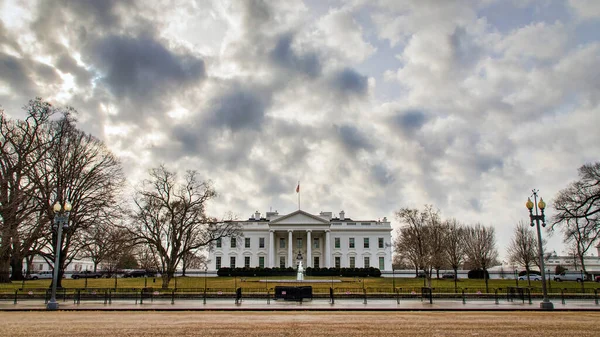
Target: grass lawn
[[373, 284]]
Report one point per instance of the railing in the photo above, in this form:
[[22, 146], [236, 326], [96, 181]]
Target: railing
[[425, 294]]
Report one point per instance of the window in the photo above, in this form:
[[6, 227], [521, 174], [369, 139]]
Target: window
[[261, 261], [247, 261], [367, 262], [381, 263], [299, 243], [351, 244], [261, 242], [316, 262], [316, 243], [282, 262], [337, 242], [247, 242], [218, 263], [219, 243], [351, 223], [366, 243], [380, 241], [365, 224], [337, 262], [232, 262], [281, 242], [352, 262], [233, 242]]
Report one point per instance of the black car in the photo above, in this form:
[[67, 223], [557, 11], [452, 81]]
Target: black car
[[448, 275], [139, 273], [86, 274]]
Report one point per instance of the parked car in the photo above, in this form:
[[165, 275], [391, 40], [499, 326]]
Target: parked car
[[568, 277], [532, 277], [46, 274], [86, 274], [139, 273], [449, 275]]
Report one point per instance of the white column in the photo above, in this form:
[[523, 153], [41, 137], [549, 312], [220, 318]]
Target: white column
[[327, 249], [308, 249], [271, 251], [290, 258]]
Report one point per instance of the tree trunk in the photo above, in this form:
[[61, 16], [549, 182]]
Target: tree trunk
[[5, 256], [16, 263], [4, 270], [485, 274], [166, 279]]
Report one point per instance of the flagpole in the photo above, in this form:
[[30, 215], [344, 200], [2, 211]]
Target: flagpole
[[298, 191]]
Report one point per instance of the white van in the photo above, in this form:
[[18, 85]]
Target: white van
[[46, 274], [566, 276]]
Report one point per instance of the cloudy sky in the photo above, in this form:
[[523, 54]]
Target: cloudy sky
[[372, 105]]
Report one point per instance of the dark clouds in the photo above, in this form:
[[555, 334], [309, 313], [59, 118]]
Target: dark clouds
[[410, 120], [142, 68], [352, 139], [349, 81], [238, 109], [284, 56]]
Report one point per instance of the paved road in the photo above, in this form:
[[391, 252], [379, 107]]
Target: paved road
[[316, 305]]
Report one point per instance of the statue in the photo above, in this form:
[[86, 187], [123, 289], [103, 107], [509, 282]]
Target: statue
[[300, 276]]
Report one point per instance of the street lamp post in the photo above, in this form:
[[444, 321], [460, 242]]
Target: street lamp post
[[545, 304], [61, 220]]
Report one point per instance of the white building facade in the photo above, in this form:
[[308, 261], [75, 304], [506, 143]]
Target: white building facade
[[318, 241]]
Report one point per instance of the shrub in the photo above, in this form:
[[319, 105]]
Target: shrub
[[346, 272], [478, 274]]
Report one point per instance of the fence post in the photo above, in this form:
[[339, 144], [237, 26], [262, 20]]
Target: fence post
[[64, 294], [78, 296], [105, 296], [173, 297], [268, 296], [463, 297], [142, 296], [331, 295], [17, 291], [496, 295], [397, 295], [46, 297], [204, 300], [365, 295], [110, 296], [529, 294], [562, 295], [596, 295]]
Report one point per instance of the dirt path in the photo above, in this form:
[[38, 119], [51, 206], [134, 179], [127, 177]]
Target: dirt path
[[233, 324]]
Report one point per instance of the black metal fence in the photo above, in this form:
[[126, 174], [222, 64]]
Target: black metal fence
[[425, 294]]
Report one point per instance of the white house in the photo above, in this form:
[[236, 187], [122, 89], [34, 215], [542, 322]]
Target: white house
[[315, 240]]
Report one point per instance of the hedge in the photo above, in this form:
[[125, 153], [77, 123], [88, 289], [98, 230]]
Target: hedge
[[346, 272], [478, 274]]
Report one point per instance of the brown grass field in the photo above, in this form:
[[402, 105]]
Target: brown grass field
[[233, 324]]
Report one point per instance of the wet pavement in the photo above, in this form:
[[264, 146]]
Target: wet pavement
[[251, 304]]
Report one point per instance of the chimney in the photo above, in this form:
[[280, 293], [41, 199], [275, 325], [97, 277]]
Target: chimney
[[325, 215], [342, 215], [384, 219]]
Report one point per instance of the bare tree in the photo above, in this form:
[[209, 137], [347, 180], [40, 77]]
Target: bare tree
[[453, 248], [578, 211], [106, 244], [480, 248], [170, 217], [192, 260], [78, 168], [522, 249], [20, 143], [417, 238]]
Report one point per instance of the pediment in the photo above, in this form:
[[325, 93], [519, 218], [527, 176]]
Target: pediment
[[299, 218]]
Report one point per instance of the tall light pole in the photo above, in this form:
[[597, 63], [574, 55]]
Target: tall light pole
[[61, 220], [545, 304]]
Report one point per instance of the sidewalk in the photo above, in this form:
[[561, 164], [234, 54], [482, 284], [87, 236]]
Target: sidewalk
[[310, 305]]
